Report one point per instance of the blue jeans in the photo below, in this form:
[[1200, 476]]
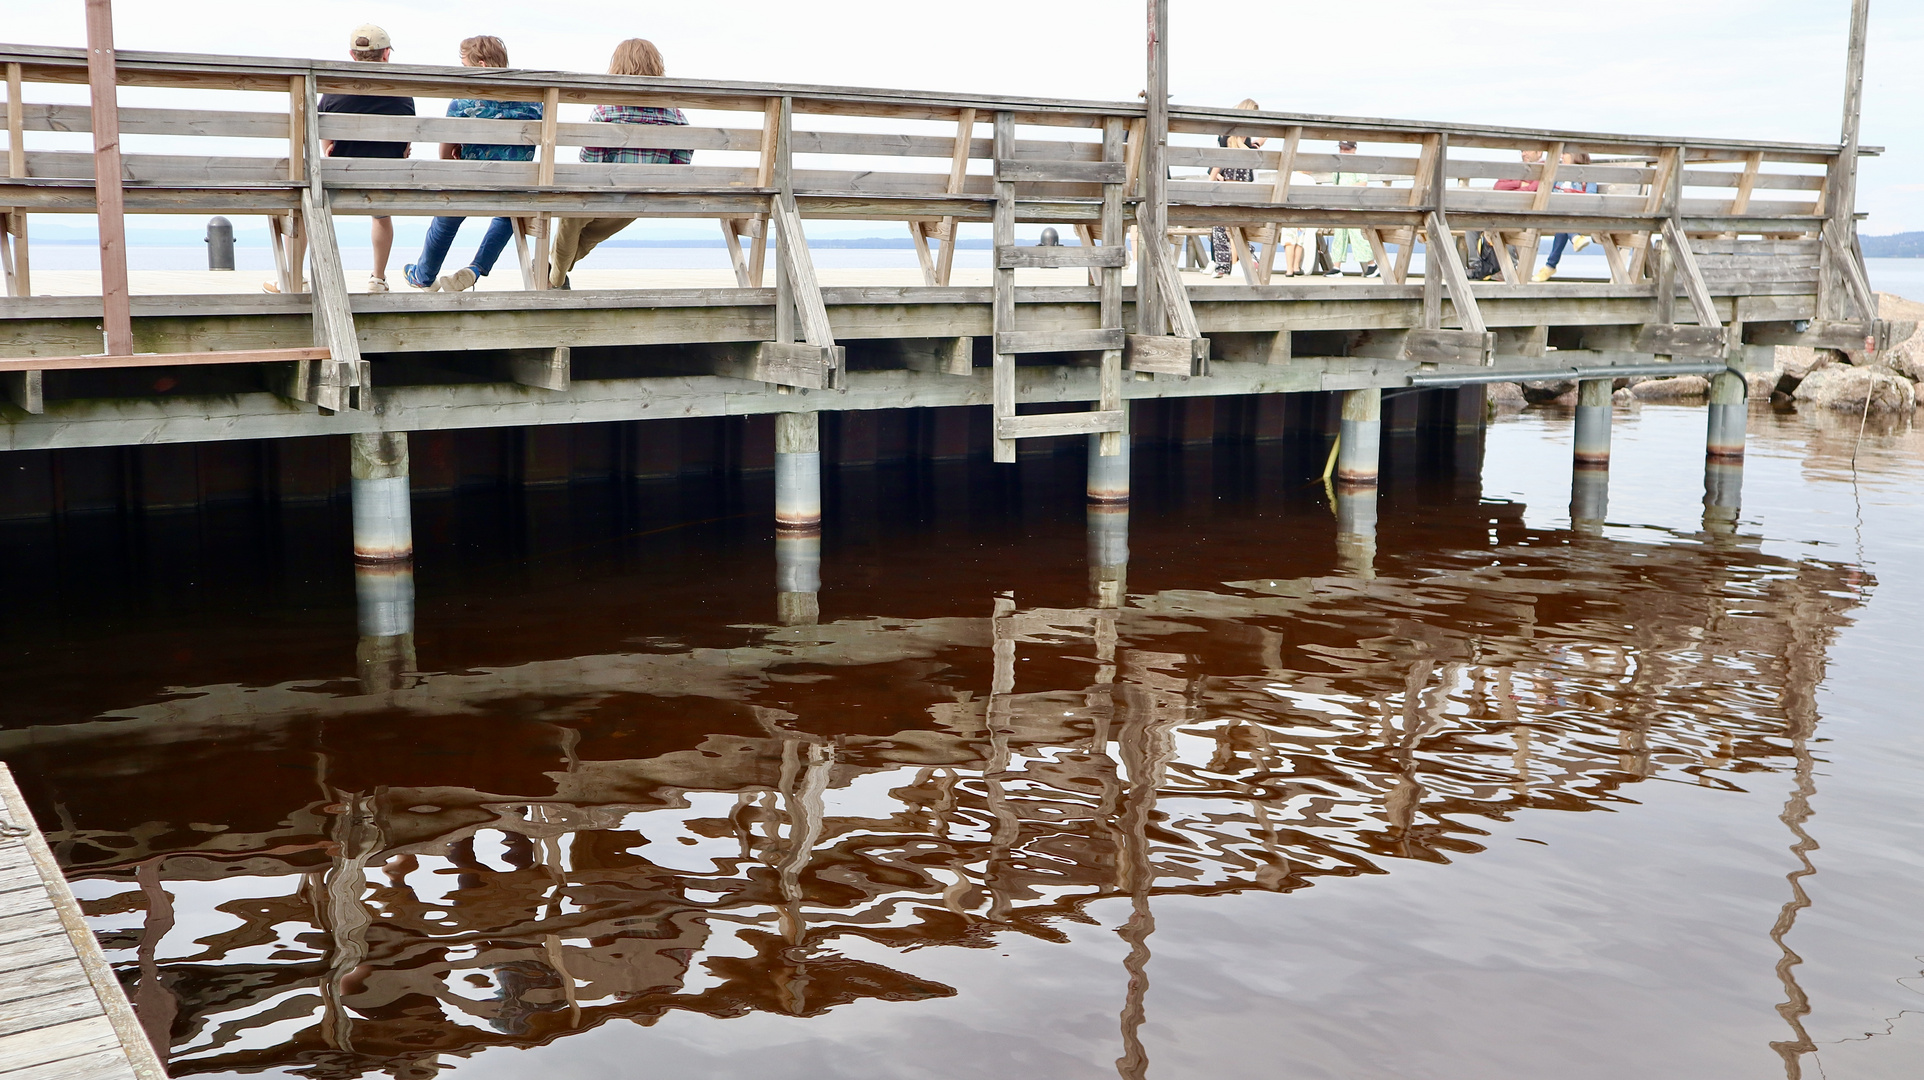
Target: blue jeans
[[1557, 245], [441, 238]]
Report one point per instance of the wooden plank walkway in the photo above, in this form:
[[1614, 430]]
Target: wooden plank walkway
[[62, 1013]]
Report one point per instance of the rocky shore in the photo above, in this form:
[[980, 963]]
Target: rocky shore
[[1803, 377]]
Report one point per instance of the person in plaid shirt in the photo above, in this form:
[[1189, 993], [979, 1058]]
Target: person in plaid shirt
[[576, 237]]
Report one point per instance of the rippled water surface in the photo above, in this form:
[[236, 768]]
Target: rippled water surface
[[1494, 799]]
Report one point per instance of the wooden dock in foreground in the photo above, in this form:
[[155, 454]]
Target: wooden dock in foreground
[[62, 1013]]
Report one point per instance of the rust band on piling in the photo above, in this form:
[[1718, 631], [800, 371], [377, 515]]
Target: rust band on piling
[[1729, 414], [1359, 451]]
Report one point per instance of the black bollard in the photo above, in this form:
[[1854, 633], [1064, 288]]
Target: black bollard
[[220, 244]]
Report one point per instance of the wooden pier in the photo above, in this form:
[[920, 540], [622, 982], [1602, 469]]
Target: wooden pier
[[62, 1013]]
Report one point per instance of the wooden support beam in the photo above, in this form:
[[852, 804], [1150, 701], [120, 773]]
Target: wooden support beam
[[1002, 366], [1686, 341], [940, 356], [1013, 257], [1693, 277], [1850, 268], [1456, 278], [1109, 378], [543, 369], [105, 361], [333, 379], [1016, 342], [1546, 186], [1161, 354], [1279, 193], [1152, 214], [544, 177], [774, 134], [1044, 425], [958, 177], [109, 199]]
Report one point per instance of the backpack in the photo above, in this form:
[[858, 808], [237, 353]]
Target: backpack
[[1485, 266]]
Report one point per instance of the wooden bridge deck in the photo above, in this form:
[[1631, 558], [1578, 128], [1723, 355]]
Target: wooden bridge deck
[[62, 1013], [1713, 246]]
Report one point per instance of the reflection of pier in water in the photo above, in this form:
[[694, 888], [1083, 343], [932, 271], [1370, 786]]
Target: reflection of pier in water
[[505, 856]]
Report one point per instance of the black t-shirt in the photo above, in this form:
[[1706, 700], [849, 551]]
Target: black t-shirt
[[368, 103]]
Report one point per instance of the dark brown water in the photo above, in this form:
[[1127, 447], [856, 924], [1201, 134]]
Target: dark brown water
[[1499, 801]]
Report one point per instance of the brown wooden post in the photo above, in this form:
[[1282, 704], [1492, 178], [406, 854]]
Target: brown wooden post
[[1843, 197], [14, 221], [109, 201], [1153, 214]]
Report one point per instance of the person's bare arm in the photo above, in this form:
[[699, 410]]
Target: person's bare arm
[[450, 151], [407, 150], [327, 147]]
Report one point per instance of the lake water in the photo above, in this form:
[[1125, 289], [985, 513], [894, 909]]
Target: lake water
[[1499, 800]]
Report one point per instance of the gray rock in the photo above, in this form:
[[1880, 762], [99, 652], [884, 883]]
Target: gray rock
[[1548, 391], [1507, 396], [1675, 388], [1625, 396], [1845, 388]]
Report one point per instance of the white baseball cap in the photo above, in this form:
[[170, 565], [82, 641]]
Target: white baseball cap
[[369, 36]]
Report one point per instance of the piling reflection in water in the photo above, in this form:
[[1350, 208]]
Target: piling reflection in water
[[504, 855]]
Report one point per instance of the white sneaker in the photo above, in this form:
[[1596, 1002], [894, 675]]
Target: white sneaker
[[1580, 242], [376, 284], [460, 281]]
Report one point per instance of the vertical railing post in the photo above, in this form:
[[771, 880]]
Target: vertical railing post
[[544, 177], [109, 199], [14, 221], [1153, 212], [782, 178]]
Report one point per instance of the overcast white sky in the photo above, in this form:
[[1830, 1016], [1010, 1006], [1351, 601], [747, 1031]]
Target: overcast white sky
[[1769, 69]]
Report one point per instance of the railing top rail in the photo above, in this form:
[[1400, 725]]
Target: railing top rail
[[60, 64]]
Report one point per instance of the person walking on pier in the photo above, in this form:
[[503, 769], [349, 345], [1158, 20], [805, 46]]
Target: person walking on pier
[[1349, 243], [1225, 254], [576, 237], [370, 44], [475, 52]]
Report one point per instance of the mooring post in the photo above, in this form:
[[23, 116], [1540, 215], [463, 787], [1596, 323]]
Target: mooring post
[[798, 518], [1590, 477], [1362, 437], [383, 522], [1724, 452]]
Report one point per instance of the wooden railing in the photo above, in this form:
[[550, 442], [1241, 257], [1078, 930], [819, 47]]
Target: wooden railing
[[1731, 214]]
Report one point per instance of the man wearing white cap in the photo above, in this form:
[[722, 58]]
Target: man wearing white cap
[[370, 44]]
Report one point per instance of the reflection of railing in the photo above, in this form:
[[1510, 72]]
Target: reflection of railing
[[1758, 219], [589, 893]]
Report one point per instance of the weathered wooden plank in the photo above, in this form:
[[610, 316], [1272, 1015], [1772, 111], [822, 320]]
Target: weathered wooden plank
[[1052, 424], [47, 1045], [1165, 355], [942, 356], [544, 369], [1664, 340], [1014, 342], [99, 1065], [203, 122], [191, 359], [1012, 258], [1448, 347], [1820, 334], [1062, 172], [56, 1023], [63, 1006]]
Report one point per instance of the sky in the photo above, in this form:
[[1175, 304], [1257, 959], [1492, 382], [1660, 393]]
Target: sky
[[1764, 69]]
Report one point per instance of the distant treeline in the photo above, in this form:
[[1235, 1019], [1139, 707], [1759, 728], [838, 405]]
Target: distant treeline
[[1908, 245]]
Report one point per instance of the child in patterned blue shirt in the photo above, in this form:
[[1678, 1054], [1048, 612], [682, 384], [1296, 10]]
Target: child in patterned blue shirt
[[475, 52]]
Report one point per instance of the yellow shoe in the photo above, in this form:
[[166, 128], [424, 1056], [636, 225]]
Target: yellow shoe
[[1580, 242], [1545, 273]]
